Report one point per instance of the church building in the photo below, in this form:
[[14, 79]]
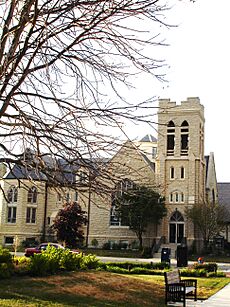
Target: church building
[[173, 163]]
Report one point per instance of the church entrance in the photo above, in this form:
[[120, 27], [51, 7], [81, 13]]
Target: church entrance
[[176, 228]]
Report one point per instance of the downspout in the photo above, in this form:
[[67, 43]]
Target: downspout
[[45, 213]]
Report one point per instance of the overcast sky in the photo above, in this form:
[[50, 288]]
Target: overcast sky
[[199, 60]]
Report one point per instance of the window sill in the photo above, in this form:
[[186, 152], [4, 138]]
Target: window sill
[[115, 227]]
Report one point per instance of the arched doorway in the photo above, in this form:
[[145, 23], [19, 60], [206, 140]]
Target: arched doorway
[[176, 227]]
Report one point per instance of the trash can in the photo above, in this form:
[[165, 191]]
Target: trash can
[[182, 256], [165, 254]]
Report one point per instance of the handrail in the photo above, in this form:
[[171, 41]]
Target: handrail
[[156, 245]]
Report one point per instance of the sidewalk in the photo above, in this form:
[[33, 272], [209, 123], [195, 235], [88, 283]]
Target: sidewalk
[[220, 299]]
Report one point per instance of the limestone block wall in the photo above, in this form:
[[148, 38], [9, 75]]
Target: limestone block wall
[[21, 229], [127, 163], [56, 198]]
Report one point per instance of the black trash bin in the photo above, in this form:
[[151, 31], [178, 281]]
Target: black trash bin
[[165, 254], [182, 256]]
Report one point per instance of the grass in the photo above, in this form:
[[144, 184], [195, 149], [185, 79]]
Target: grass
[[93, 289]]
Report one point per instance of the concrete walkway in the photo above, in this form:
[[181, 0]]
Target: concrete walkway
[[220, 299]]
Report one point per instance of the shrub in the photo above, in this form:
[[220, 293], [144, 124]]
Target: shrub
[[116, 269], [5, 270], [193, 272], [106, 246], [5, 256], [94, 243], [143, 271], [53, 257], [38, 265], [89, 262], [70, 261], [150, 265], [209, 267], [125, 265], [216, 274], [102, 266], [22, 260], [22, 265], [161, 265]]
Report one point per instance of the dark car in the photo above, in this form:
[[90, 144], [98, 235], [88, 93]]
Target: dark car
[[30, 251]]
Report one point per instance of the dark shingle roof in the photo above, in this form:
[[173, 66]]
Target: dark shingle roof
[[224, 195], [21, 172]]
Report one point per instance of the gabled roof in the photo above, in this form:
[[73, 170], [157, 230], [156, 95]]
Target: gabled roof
[[21, 172], [61, 172], [148, 138], [224, 193], [224, 196]]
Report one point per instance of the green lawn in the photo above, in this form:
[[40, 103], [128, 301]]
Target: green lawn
[[93, 289]]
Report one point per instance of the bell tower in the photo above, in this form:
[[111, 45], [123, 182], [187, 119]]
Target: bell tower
[[181, 163]]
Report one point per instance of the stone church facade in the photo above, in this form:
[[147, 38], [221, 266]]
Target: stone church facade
[[174, 164]]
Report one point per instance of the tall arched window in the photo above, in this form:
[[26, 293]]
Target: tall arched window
[[170, 138], [32, 195], [176, 227], [184, 138], [12, 194], [121, 187]]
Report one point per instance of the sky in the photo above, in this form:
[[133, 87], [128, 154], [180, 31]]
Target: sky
[[198, 56]]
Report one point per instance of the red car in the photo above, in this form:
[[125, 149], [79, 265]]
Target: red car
[[30, 251]]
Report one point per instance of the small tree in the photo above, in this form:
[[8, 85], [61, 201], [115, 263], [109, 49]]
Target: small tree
[[208, 218], [141, 207], [68, 224]]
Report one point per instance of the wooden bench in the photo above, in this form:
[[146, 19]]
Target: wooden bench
[[177, 290]]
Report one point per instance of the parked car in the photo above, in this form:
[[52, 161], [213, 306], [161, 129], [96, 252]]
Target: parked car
[[30, 251]]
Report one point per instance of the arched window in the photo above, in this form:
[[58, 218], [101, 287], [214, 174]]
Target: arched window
[[121, 187], [176, 217], [176, 197], [170, 138], [12, 194], [176, 227], [184, 138], [32, 195]]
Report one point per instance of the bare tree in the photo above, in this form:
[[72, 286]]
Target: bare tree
[[62, 66], [209, 219]]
